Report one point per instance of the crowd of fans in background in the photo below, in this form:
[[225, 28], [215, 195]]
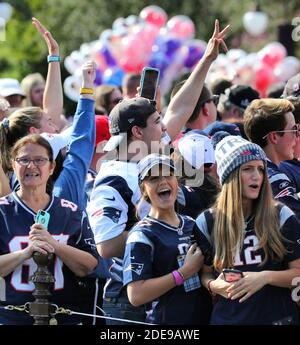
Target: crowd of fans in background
[[149, 205]]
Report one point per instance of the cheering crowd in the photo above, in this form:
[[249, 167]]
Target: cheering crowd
[[184, 215]]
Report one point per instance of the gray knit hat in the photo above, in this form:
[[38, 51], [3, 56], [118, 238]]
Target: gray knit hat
[[233, 151]]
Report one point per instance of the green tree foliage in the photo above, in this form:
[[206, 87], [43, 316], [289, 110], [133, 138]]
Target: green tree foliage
[[73, 22]]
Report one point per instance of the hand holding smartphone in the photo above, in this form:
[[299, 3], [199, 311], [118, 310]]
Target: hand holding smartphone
[[232, 275], [149, 82], [42, 217]]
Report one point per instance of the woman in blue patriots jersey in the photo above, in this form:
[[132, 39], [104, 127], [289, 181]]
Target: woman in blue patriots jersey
[[161, 264], [247, 230], [68, 235]]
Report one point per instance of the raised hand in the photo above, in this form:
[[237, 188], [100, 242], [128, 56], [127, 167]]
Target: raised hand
[[88, 74], [217, 39], [52, 45]]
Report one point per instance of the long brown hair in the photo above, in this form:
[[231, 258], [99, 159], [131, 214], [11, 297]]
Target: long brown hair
[[19, 124], [228, 234]]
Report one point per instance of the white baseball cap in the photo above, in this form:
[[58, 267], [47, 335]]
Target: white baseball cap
[[196, 148], [58, 141], [10, 86]]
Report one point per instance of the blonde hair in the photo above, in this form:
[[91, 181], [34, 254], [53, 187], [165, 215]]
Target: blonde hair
[[4, 108], [20, 123], [265, 115], [228, 234], [27, 84]]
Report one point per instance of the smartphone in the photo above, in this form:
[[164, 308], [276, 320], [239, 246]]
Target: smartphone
[[43, 217], [149, 82], [232, 275]]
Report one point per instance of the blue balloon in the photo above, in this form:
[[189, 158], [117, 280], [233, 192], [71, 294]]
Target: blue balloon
[[171, 46], [159, 60], [196, 50], [98, 78], [113, 76], [109, 59]]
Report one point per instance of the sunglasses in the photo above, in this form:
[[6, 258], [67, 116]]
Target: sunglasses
[[295, 130], [214, 98]]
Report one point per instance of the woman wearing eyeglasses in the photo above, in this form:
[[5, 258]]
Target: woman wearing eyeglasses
[[68, 236]]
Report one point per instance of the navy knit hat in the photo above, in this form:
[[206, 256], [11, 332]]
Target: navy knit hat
[[218, 126], [233, 151]]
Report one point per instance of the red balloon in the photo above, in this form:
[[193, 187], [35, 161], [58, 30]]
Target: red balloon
[[263, 78], [272, 54], [154, 15], [181, 27]]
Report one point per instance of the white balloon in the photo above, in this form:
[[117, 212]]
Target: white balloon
[[287, 68], [235, 55], [69, 65], [106, 35], [131, 20], [255, 22], [119, 22], [5, 10], [72, 87]]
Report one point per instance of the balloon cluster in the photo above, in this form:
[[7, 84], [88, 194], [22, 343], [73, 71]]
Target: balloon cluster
[[260, 70], [132, 43]]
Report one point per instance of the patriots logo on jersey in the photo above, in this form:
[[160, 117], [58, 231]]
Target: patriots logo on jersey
[[283, 184], [135, 267], [285, 192], [112, 213], [253, 152]]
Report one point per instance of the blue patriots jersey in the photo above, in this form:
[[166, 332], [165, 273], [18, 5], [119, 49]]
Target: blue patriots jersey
[[102, 270], [68, 225], [192, 201], [269, 304], [292, 169], [152, 250], [112, 210], [283, 188], [89, 182]]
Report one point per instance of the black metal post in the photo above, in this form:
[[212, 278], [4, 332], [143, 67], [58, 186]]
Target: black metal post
[[40, 309]]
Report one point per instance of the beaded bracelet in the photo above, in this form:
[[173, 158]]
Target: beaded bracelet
[[53, 58]]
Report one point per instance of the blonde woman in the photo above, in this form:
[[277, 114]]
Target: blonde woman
[[33, 86], [247, 230]]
